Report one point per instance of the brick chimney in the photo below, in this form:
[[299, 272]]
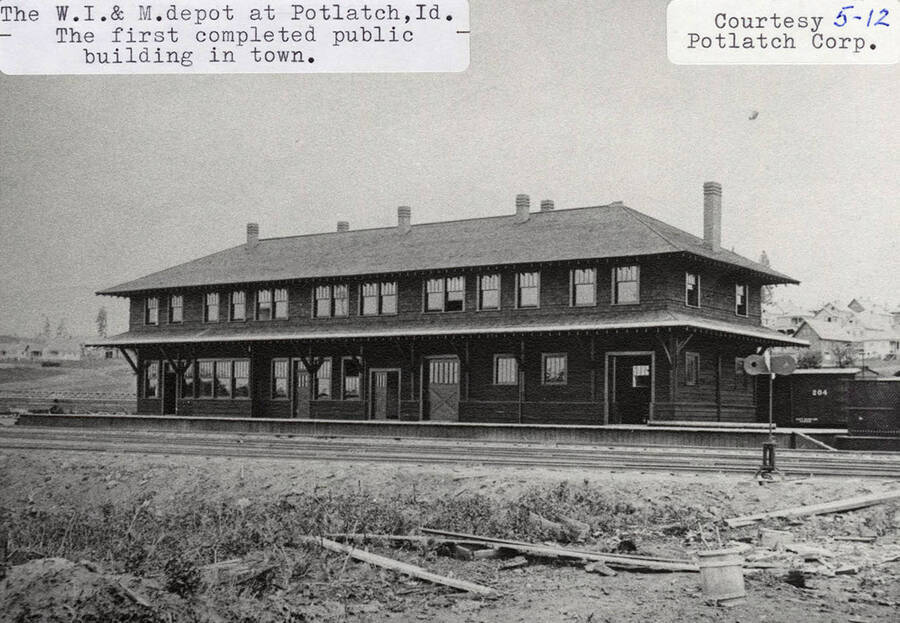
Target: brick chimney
[[523, 207], [712, 215], [404, 219], [343, 226], [252, 235], [547, 205]]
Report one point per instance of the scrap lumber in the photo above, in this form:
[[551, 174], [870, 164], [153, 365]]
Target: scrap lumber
[[837, 506], [612, 560], [401, 567], [599, 567]]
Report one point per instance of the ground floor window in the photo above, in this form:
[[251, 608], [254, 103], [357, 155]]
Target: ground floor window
[[691, 368], [280, 369], [352, 372], [555, 369], [323, 380], [223, 378], [187, 380], [506, 370], [640, 375], [151, 379]]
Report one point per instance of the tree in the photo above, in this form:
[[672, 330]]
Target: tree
[[810, 359], [101, 322], [766, 293], [61, 330], [844, 355], [46, 331]]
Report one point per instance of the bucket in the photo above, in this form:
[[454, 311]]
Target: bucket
[[722, 575]]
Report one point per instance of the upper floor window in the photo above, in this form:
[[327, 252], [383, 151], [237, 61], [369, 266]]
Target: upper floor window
[[281, 303], [692, 289], [445, 294], [506, 370], [176, 308], [626, 285], [555, 369], [528, 288], [378, 298], [151, 310], [330, 301], [740, 299], [272, 304], [151, 379], [691, 368], [238, 309], [264, 305], [211, 307], [584, 286], [489, 292]]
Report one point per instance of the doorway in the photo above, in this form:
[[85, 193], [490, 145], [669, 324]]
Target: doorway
[[385, 399], [443, 389], [630, 379]]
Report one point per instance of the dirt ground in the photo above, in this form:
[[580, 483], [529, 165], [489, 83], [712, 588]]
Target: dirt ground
[[107, 376], [118, 514]]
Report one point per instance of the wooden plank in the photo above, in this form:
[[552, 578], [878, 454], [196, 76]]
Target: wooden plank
[[837, 506], [612, 560], [401, 567]]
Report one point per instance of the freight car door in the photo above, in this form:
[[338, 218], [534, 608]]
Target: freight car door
[[443, 389]]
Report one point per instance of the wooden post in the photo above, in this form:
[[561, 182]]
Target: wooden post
[[466, 378], [521, 379], [718, 387]]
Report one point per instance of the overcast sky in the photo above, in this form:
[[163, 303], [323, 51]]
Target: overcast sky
[[105, 179]]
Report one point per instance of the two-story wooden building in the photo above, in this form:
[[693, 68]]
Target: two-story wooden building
[[580, 316]]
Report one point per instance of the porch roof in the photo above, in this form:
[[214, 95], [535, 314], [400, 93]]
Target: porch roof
[[486, 325]]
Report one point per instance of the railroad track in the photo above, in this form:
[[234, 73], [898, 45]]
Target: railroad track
[[637, 458]]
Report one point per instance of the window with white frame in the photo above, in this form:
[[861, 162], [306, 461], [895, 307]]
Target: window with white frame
[[241, 378], [151, 379], [555, 369], [206, 375], [330, 300], [692, 289], [238, 305], [187, 381], [281, 303], [445, 294], [280, 375], [489, 291], [584, 287], [640, 375], [506, 370], [264, 305], [528, 289], [176, 308], [211, 307], [151, 310], [626, 285], [740, 299], [351, 373], [323, 380], [691, 368], [223, 379], [378, 298]]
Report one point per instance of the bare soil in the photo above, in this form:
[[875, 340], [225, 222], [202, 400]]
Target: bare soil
[[150, 522], [107, 376]]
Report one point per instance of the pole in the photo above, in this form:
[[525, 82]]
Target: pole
[[771, 389]]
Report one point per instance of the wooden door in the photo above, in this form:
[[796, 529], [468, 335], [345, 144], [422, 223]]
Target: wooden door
[[385, 394], [443, 389], [302, 394], [631, 389]]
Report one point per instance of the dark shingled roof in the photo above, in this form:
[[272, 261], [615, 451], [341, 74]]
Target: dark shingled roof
[[580, 233], [363, 328]]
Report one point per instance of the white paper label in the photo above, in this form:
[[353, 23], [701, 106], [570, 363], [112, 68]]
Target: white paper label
[[783, 32], [245, 36]]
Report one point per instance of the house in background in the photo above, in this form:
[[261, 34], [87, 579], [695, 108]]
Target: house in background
[[826, 338], [786, 317], [580, 316]]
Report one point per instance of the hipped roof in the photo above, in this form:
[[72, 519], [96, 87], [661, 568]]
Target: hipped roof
[[560, 235]]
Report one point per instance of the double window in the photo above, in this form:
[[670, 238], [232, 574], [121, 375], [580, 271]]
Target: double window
[[176, 308], [151, 310], [223, 378], [555, 369], [489, 292], [272, 304], [691, 368], [445, 294], [238, 305], [506, 370], [692, 289], [211, 307], [740, 299], [626, 285], [584, 287], [378, 298], [330, 301], [528, 289]]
